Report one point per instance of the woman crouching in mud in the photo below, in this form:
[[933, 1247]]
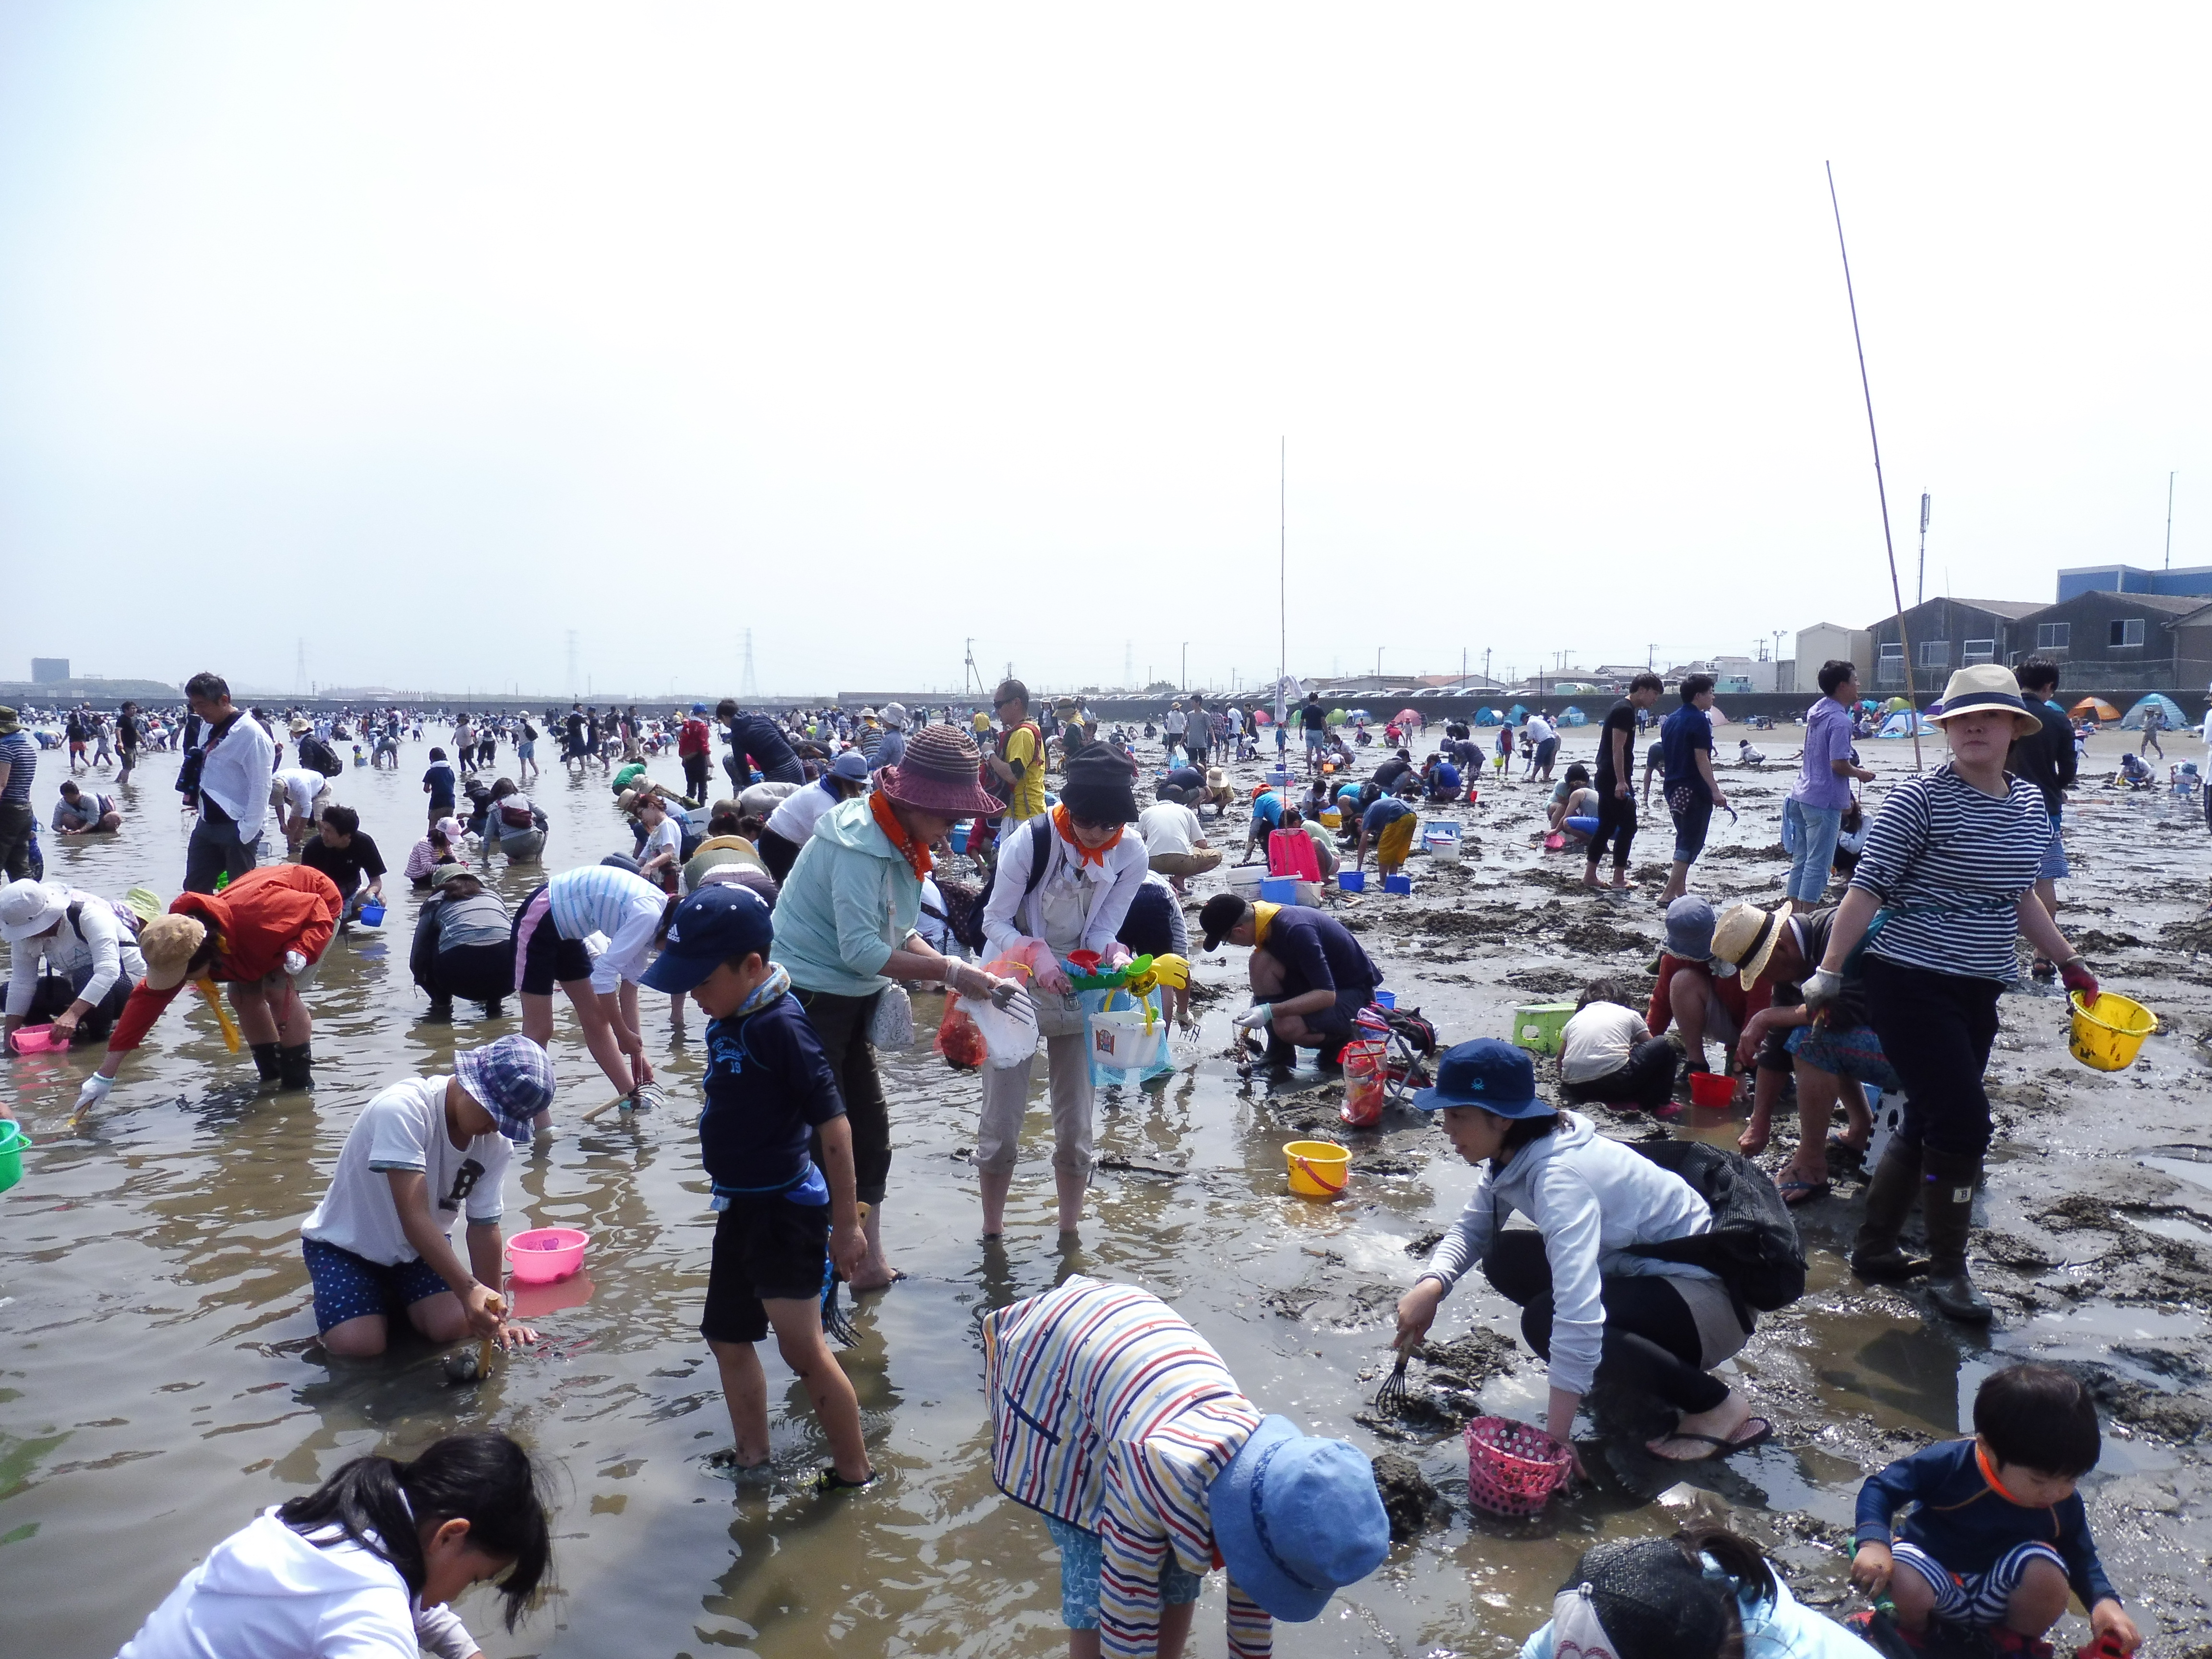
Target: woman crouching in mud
[[1588, 1304]]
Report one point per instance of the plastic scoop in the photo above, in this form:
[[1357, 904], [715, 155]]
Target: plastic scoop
[[206, 987]]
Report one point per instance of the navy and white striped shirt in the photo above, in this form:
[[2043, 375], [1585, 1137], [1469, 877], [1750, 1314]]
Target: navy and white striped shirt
[[1950, 864]]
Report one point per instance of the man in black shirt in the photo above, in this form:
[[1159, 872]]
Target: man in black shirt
[[763, 740], [128, 736], [2047, 761], [1616, 795], [343, 852], [1310, 976], [1388, 774]]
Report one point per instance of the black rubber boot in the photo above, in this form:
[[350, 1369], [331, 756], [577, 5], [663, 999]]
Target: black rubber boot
[[298, 1067], [266, 1063], [442, 1011], [1950, 1200], [1890, 1196], [492, 1010]]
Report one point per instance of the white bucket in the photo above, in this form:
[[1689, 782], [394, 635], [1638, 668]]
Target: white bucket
[[1441, 840], [1245, 879]]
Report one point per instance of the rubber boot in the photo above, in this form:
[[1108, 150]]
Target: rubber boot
[[1949, 1201], [1890, 1196], [440, 1012], [266, 1063], [492, 1010], [298, 1067]]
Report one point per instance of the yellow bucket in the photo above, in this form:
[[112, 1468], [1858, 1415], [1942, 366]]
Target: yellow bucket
[[2110, 1034], [1319, 1169]]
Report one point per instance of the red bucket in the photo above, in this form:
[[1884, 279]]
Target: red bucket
[[1513, 1468], [1714, 1090]]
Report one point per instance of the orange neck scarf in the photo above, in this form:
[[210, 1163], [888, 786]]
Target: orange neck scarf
[[1989, 1474], [1063, 822], [914, 852]]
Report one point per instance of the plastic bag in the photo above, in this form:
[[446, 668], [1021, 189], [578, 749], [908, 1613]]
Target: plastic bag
[[960, 1041], [1366, 1085], [891, 1026], [1134, 1033], [1009, 1034]]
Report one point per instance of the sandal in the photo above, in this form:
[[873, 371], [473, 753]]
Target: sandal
[[826, 1480], [1796, 1191], [1840, 1149], [1721, 1447]]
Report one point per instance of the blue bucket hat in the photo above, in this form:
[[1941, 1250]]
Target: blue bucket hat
[[1690, 928], [1297, 1518], [1485, 1072], [511, 1079]]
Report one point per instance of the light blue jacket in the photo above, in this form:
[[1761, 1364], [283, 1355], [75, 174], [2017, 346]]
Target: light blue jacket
[[1784, 1628], [846, 905]]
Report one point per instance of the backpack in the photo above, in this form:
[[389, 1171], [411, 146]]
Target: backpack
[[529, 733], [315, 752], [998, 785], [1753, 1245], [969, 929], [514, 816]]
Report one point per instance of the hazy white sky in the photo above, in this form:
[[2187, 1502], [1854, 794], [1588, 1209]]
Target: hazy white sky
[[432, 332]]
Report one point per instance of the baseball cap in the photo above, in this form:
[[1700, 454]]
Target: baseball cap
[[716, 923], [698, 707], [511, 1079], [1222, 912], [1485, 1072], [1645, 1600]]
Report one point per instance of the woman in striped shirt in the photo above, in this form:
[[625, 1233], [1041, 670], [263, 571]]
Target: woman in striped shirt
[[549, 931], [1112, 1417], [1945, 881]]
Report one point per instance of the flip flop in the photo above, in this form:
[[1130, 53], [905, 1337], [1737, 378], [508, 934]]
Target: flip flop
[[1838, 1147], [1721, 1447], [1795, 1191]]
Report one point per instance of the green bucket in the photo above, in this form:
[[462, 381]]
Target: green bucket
[[12, 1142], [1537, 1025]]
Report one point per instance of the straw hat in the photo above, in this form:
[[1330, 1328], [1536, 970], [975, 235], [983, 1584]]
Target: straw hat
[[301, 727], [1744, 940], [168, 943], [1986, 685], [940, 774]]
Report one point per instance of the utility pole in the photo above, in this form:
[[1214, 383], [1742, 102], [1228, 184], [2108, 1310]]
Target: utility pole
[[1651, 655], [572, 663], [1186, 666], [1378, 668], [1920, 593], [2169, 521], [748, 688]]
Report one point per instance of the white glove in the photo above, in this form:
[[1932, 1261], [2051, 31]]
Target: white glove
[[1259, 1014], [1821, 988], [93, 1090], [294, 964]]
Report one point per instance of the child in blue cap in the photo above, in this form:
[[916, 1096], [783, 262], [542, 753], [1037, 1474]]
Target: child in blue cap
[[785, 1215], [1589, 1297]]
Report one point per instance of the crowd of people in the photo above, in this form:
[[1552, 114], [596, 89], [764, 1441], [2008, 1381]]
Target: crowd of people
[[798, 912]]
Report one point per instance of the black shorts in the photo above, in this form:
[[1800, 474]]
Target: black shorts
[[545, 959], [766, 1250], [1337, 1024]]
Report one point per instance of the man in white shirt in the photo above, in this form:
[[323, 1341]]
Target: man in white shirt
[[237, 757], [298, 795], [1539, 740], [1174, 840]]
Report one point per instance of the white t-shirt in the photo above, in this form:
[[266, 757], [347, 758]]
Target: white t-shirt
[[300, 787], [403, 1127], [667, 836], [798, 812], [1169, 827], [1598, 1040]]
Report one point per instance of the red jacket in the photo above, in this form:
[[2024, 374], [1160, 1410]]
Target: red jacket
[[691, 738], [255, 920]]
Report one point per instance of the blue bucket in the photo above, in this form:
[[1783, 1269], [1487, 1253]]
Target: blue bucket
[[1397, 884], [1352, 881], [1279, 889], [372, 914], [1385, 998]]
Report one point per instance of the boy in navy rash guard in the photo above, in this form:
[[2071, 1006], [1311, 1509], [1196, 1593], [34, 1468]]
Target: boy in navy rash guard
[[783, 1220], [1999, 1535]]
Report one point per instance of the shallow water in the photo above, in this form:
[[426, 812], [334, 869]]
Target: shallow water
[[160, 1382]]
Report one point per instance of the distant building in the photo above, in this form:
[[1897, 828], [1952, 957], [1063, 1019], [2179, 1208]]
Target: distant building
[[49, 670], [1945, 634], [2194, 582], [2106, 640], [1826, 643]]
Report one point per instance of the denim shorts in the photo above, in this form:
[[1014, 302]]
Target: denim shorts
[[347, 1285], [1853, 1051], [1081, 1556], [2054, 856]]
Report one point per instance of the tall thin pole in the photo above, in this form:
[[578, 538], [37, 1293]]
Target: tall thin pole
[[1282, 572], [1921, 596], [2169, 521], [1882, 492]]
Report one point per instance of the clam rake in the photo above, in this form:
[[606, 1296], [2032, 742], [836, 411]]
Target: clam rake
[[1390, 1398]]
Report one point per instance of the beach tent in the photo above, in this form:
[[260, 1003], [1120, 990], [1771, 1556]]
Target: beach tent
[[1486, 717], [2093, 709], [1261, 717], [1897, 704], [1337, 717], [2174, 718], [1572, 715], [1410, 717], [1360, 717], [1718, 715], [1518, 713], [1902, 724]]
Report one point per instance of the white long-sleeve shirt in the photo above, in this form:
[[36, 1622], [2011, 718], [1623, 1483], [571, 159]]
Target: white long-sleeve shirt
[[96, 940], [1101, 892], [235, 774]]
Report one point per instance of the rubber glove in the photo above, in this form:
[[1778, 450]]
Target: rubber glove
[[1258, 1015], [294, 964], [1821, 988], [2075, 974], [93, 1090]]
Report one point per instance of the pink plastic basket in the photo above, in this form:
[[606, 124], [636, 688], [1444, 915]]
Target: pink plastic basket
[[1512, 1468], [543, 1254]]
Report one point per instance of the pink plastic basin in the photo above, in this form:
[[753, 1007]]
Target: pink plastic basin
[[37, 1040], [546, 1253]]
